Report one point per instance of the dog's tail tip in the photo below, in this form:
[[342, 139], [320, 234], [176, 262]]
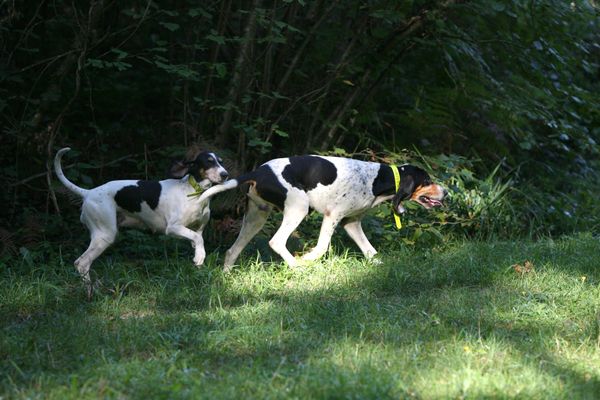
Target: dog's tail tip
[[61, 176], [231, 183], [227, 185], [63, 151]]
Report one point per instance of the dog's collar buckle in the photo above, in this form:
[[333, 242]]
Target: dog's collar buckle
[[397, 186], [197, 188]]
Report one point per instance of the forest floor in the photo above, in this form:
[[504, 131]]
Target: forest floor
[[469, 320]]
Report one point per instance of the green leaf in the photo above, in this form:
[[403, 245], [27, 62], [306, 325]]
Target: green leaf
[[121, 66], [170, 26], [262, 145], [120, 53], [340, 152], [194, 12], [221, 70], [94, 62], [215, 37]]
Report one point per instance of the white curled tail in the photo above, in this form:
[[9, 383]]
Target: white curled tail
[[230, 184], [59, 173]]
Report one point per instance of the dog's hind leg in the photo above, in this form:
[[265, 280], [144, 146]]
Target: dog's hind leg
[[356, 233], [254, 219], [327, 229], [296, 208], [101, 221]]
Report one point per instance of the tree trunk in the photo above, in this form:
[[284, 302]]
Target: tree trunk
[[223, 18], [331, 125], [236, 87], [291, 68]]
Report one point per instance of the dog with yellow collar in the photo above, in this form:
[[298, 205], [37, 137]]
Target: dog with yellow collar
[[170, 206], [342, 189]]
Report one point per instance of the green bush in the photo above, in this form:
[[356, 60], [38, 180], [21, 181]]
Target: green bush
[[488, 204]]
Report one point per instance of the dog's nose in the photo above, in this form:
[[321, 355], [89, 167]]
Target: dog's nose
[[445, 192], [224, 175]]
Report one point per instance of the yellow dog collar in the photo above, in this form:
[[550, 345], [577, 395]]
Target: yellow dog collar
[[198, 189], [397, 185]]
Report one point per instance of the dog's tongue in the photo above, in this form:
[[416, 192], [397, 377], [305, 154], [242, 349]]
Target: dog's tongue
[[435, 203]]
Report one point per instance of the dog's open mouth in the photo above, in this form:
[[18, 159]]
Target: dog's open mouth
[[428, 202]]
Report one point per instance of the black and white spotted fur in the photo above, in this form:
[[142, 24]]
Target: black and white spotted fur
[[342, 189], [160, 206]]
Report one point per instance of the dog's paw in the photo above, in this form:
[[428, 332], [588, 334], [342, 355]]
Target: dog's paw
[[199, 259], [375, 261], [298, 263], [311, 256]]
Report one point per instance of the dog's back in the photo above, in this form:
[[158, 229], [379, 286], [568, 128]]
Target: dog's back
[[328, 181]]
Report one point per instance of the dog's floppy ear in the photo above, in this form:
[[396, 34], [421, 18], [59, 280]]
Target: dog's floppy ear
[[179, 169], [407, 187]]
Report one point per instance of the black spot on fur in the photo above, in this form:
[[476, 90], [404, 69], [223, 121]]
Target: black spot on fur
[[267, 185], [269, 188], [150, 192], [384, 182], [306, 172], [130, 198]]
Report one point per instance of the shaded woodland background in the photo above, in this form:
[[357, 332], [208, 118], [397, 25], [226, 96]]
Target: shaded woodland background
[[498, 99]]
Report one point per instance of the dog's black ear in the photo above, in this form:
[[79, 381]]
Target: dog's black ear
[[406, 189], [179, 169]]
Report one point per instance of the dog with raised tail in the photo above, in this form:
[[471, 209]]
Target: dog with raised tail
[[169, 206], [342, 189]]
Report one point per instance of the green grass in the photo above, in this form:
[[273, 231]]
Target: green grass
[[444, 323]]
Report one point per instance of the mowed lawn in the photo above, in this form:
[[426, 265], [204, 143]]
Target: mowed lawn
[[461, 321]]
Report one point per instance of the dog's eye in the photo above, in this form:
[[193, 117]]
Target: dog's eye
[[210, 159], [220, 160]]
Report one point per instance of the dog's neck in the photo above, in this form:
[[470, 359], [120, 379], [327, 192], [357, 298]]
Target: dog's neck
[[384, 183], [198, 187]]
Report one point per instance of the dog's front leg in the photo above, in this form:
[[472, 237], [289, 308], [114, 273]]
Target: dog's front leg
[[196, 239], [199, 252], [356, 233]]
